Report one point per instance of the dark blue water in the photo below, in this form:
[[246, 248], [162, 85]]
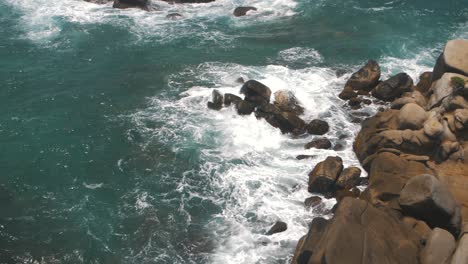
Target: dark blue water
[[109, 155]]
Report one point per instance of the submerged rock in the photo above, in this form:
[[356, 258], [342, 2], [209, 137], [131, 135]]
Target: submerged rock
[[242, 10], [174, 16]]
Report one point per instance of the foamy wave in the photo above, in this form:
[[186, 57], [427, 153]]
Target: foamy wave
[[43, 19], [252, 168]]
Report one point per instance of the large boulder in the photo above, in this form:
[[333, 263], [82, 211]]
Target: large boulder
[[323, 177], [365, 78], [287, 101], [256, 92], [393, 88], [412, 116], [123, 4], [425, 197], [439, 247], [388, 175], [359, 233], [317, 127], [443, 87], [453, 59], [242, 10]]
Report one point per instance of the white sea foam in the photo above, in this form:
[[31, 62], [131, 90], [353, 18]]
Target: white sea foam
[[42, 20], [263, 181]]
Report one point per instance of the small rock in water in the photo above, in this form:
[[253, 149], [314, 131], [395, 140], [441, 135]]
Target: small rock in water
[[317, 127], [217, 99], [242, 10], [278, 227], [240, 80], [231, 99], [174, 16], [301, 157], [312, 201], [320, 143]]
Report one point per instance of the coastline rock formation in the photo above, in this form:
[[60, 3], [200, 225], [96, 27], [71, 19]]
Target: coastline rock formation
[[415, 207]]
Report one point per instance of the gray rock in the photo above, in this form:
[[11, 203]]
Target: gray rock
[[453, 59], [312, 201], [245, 108], [174, 16], [231, 99], [425, 197], [412, 116], [439, 247], [323, 177]]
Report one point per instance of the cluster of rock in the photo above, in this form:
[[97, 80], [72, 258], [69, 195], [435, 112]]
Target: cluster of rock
[[415, 208], [145, 5], [284, 113]]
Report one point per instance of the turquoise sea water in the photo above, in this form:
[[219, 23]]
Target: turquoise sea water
[[109, 155]]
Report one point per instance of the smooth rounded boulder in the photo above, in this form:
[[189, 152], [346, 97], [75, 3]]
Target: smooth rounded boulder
[[317, 127], [393, 88], [242, 10], [453, 59], [412, 116], [439, 247]]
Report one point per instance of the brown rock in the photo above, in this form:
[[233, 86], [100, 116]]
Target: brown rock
[[443, 88], [360, 233], [461, 253], [348, 178], [278, 227], [242, 10], [412, 116], [317, 127], [319, 143], [312, 201], [123, 4], [217, 100], [256, 92], [322, 178], [424, 84], [365, 78]]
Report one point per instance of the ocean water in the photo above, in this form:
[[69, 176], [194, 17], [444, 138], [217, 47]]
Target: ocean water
[[109, 154]]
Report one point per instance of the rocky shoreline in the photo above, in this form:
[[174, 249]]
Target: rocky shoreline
[[415, 205]]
